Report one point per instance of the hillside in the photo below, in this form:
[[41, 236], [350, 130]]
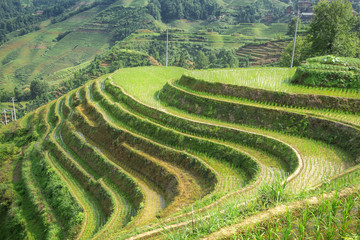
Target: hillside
[[61, 44], [169, 153]]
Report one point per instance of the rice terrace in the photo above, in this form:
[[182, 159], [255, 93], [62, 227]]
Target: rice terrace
[[131, 147]]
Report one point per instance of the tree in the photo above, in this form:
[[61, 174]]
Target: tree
[[154, 8], [182, 61], [202, 61], [292, 26], [38, 88], [302, 51], [228, 59], [332, 30]]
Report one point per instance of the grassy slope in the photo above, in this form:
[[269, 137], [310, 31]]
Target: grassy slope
[[144, 82], [156, 77], [37, 54], [329, 160]]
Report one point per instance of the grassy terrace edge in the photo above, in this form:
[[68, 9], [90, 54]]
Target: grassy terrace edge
[[344, 136], [282, 150], [310, 101]]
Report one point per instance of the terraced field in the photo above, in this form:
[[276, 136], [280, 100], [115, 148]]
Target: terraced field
[[160, 153], [262, 54]]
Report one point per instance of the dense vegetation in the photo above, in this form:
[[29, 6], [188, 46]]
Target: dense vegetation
[[126, 20], [214, 142], [183, 9], [115, 146], [329, 71], [15, 16], [334, 29]]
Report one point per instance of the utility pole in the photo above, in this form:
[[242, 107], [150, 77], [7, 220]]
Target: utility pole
[[13, 100], [167, 45], [293, 50], [5, 116], [12, 115]]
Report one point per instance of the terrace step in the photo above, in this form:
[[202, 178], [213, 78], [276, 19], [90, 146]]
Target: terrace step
[[300, 103], [95, 217], [78, 193], [153, 199], [297, 140], [188, 127], [346, 131]]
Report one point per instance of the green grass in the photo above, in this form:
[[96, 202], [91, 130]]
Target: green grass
[[144, 82], [37, 54], [276, 79], [259, 30], [322, 162], [137, 84]]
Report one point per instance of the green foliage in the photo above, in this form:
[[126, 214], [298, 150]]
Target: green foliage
[[292, 123], [331, 29], [183, 9], [292, 26], [270, 194], [335, 61], [257, 11], [201, 61], [36, 213], [329, 71], [38, 88], [227, 59], [8, 196], [302, 51], [102, 167], [257, 141], [55, 191], [126, 20], [116, 58], [171, 138], [281, 98], [326, 78], [10, 56], [269, 78], [14, 16]]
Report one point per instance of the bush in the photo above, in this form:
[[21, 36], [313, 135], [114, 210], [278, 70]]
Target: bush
[[329, 71]]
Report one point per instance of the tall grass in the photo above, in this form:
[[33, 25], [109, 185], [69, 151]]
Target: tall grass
[[276, 79]]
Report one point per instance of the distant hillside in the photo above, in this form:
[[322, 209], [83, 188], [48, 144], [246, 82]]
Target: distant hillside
[[262, 54]]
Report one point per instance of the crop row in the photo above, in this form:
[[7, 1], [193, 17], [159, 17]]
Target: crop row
[[172, 138], [267, 144], [331, 132], [125, 141], [281, 98]]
